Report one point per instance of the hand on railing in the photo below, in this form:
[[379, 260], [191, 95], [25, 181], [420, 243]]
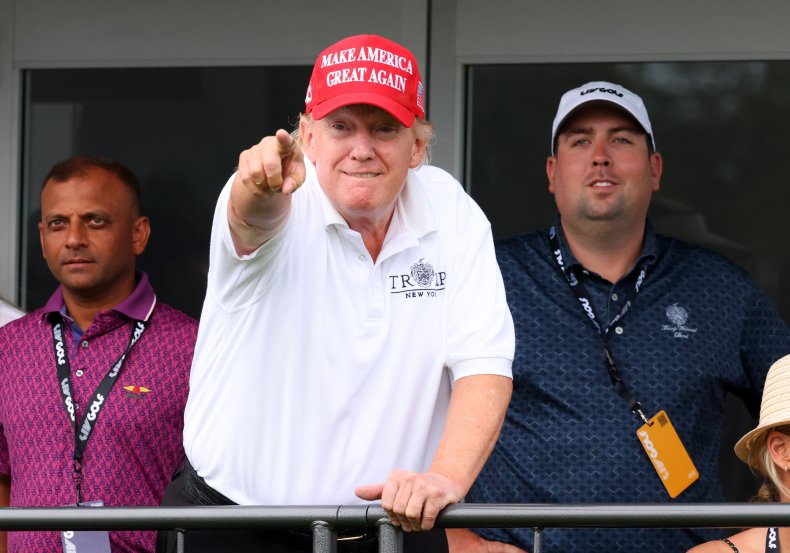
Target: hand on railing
[[461, 540], [413, 499]]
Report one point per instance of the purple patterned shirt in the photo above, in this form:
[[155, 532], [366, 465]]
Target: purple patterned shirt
[[137, 440]]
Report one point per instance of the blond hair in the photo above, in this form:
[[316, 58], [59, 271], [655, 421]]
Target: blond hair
[[773, 489]]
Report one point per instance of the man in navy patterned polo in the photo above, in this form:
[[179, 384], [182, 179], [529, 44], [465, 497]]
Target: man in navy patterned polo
[[93, 385], [615, 323]]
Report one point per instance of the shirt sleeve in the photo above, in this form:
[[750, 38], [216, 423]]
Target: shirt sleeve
[[480, 335], [234, 281]]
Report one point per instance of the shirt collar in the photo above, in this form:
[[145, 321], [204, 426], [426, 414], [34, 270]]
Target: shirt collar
[[138, 305], [647, 256], [650, 247], [412, 206], [330, 215]]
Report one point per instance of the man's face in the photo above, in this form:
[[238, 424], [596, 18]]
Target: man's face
[[362, 155], [603, 170], [91, 233]]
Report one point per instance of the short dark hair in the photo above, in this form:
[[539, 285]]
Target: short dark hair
[[80, 165]]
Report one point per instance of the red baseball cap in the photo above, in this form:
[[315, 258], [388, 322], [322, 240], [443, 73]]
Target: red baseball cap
[[367, 69]]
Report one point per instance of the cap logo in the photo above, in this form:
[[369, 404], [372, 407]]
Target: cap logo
[[309, 96], [606, 90], [368, 53], [361, 74]]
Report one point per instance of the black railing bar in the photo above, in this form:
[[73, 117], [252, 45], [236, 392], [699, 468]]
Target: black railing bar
[[188, 518], [615, 515], [621, 515]]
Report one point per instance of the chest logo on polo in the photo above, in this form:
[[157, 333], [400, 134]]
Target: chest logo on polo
[[422, 281], [678, 317], [136, 392]]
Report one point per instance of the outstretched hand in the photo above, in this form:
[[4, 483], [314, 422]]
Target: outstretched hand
[[413, 499], [273, 166]]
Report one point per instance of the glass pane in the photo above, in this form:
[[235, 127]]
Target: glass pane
[[180, 130]]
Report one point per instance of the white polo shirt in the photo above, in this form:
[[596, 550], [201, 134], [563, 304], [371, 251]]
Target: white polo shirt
[[317, 370], [8, 312]]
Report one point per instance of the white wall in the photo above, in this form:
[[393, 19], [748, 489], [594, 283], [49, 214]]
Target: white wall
[[620, 30]]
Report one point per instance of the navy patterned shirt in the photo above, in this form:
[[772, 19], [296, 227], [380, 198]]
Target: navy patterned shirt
[[700, 327]]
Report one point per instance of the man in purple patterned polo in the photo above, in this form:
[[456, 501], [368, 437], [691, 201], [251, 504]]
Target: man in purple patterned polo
[[93, 385]]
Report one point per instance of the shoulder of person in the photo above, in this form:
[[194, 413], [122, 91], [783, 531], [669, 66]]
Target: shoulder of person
[[433, 177], [522, 245], [748, 541], [717, 546], [175, 319], [9, 312], [24, 323], [446, 195], [704, 256]]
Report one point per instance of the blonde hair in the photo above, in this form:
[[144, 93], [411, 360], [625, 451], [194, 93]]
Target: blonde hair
[[422, 129], [759, 456]]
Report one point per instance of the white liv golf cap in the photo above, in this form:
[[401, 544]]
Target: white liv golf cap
[[601, 91]]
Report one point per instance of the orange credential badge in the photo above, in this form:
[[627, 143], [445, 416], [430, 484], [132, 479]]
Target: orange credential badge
[[665, 450]]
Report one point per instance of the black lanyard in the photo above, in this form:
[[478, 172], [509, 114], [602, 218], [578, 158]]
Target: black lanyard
[[91, 414], [632, 287]]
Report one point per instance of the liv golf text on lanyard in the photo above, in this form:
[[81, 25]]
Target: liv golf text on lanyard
[[579, 290], [91, 414]]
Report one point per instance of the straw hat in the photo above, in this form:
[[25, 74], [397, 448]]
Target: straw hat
[[774, 409]]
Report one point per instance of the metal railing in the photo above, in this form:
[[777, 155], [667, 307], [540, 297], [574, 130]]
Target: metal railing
[[324, 521]]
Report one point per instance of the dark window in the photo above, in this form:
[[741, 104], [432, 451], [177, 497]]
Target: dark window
[[179, 129]]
